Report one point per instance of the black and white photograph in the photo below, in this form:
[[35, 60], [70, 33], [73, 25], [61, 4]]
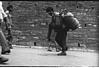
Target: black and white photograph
[[49, 34]]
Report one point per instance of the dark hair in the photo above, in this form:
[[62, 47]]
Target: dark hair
[[49, 9], [10, 7]]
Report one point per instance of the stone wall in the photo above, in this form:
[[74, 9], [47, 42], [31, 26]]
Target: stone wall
[[32, 21]]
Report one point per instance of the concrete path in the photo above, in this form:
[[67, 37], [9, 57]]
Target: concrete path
[[21, 56]]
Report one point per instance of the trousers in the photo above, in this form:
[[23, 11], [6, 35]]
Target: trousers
[[3, 41], [61, 39]]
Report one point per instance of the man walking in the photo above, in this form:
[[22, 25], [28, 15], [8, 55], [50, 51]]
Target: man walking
[[9, 11], [61, 33], [3, 41]]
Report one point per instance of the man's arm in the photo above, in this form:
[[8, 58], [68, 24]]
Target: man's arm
[[50, 28]]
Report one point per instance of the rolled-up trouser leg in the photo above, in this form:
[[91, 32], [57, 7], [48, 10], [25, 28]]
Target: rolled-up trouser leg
[[3, 42], [61, 39]]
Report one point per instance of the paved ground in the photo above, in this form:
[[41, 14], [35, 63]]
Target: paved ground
[[21, 56]]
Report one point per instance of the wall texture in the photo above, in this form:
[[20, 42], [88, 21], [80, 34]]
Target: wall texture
[[32, 22]]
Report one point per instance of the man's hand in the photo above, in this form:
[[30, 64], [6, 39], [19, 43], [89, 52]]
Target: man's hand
[[48, 39]]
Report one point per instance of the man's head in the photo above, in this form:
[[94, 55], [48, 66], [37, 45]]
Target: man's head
[[64, 11], [49, 10]]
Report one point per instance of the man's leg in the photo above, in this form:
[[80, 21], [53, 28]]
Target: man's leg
[[61, 40], [4, 43], [2, 59], [10, 38]]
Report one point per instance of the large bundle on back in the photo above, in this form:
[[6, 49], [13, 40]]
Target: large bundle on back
[[70, 22]]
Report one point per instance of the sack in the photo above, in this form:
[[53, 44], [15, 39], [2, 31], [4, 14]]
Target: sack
[[71, 22], [75, 24], [65, 22]]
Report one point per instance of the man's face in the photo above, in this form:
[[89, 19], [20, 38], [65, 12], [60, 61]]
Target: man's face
[[50, 13]]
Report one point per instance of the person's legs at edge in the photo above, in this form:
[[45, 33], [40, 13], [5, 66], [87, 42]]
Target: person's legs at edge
[[4, 43], [2, 59], [61, 40], [10, 39]]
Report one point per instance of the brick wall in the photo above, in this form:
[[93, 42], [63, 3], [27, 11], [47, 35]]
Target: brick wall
[[31, 20]]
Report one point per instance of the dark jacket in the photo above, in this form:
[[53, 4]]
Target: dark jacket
[[57, 28]]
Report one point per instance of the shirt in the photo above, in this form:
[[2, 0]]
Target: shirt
[[2, 13]]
